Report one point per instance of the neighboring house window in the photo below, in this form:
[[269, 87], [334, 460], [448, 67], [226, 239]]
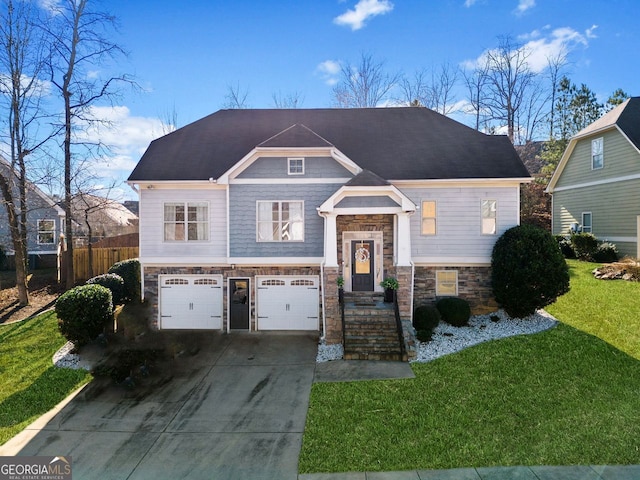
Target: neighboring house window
[[597, 157], [46, 232], [586, 222], [296, 166], [428, 217], [446, 283], [489, 217], [280, 221], [186, 222]]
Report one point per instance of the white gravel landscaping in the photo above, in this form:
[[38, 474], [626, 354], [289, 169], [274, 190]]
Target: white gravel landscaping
[[448, 339], [63, 358]]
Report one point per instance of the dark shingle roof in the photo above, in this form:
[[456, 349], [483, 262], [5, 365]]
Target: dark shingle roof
[[394, 143], [629, 121]]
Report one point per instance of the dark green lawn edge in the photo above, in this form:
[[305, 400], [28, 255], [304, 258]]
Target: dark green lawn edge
[[29, 383]]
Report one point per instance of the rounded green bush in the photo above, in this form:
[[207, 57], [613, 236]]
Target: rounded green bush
[[113, 282], [585, 245], [528, 270], [129, 270], [565, 246], [83, 312], [426, 317], [455, 311], [606, 253]]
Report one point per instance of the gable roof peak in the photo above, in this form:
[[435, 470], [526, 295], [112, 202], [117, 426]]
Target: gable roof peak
[[366, 178], [297, 135]]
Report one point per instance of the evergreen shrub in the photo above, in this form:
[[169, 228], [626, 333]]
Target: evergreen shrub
[[129, 270], [528, 270], [113, 282], [455, 311], [83, 312]]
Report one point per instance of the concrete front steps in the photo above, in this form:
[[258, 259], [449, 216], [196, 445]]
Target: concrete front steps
[[370, 331]]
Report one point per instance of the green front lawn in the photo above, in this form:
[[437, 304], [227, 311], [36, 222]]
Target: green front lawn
[[29, 383], [555, 398]]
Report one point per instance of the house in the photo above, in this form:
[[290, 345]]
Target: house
[[248, 217], [596, 186], [45, 222], [96, 218]]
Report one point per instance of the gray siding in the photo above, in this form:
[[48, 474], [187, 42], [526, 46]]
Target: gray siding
[[242, 219], [277, 167], [361, 202]]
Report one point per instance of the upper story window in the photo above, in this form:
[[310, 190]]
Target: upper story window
[[186, 222], [587, 226], [597, 156], [296, 166], [428, 217], [280, 221], [46, 232], [489, 208]]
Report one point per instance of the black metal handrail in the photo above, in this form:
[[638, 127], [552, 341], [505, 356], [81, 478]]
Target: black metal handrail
[[403, 350], [341, 303]]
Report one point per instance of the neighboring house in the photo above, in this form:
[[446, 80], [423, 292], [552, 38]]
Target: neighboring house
[[106, 218], [248, 217], [596, 186], [45, 222]]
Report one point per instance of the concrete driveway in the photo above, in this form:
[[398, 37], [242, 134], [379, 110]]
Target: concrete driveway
[[236, 410]]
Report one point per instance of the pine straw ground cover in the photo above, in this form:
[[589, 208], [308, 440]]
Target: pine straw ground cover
[[570, 395]]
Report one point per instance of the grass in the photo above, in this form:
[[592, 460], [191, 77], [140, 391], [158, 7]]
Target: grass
[[29, 383], [559, 397]]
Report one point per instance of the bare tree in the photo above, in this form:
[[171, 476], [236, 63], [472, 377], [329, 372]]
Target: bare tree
[[290, 100], [509, 81], [415, 90], [169, 120], [80, 43], [555, 65], [363, 85], [21, 90], [476, 83], [236, 97], [443, 83]]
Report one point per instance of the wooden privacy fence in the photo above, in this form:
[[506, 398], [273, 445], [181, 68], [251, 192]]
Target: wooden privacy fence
[[103, 258]]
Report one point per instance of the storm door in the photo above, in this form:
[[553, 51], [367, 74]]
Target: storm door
[[239, 304], [362, 261]]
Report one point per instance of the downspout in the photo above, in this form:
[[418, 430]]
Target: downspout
[[324, 317]]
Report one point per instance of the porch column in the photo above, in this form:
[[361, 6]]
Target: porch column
[[403, 237], [330, 240]]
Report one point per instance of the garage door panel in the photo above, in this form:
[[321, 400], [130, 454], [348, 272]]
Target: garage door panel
[[191, 302], [288, 303]]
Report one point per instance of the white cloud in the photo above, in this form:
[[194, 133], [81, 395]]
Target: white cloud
[[589, 32], [126, 136], [524, 5], [542, 45], [469, 3], [364, 9], [329, 70]]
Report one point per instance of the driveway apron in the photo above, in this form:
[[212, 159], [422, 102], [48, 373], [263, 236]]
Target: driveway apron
[[235, 410]]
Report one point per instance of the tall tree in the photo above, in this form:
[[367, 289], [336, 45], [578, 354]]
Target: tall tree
[[509, 82], [476, 83], [618, 97], [236, 97], [81, 44], [21, 89], [366, 84], [584, 107], [290, 100]]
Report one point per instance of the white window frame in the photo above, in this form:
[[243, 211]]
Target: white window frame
[[295, 166], [280, 222], [597, 150], [186, 222], [434, 218], [51, 231], [483, 218], [442, 283], [589, 228]]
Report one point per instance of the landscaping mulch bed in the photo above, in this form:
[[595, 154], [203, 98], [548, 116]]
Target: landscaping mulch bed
[[627, 269], [43, 292]]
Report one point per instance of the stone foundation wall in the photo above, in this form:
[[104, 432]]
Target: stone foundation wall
[[333, 315], [369, 223], [474, 285]]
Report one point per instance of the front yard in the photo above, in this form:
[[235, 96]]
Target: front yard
[[570, 395]]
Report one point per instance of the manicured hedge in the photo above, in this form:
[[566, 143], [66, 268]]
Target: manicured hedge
[[83, 312]]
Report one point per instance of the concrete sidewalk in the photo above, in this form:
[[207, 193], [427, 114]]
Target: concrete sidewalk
[[577, 472]]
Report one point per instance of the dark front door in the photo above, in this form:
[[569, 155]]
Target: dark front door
[[239, 307], [362, 267]]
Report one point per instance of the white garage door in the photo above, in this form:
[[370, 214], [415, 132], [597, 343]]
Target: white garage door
[[287, 303], [192, 302]]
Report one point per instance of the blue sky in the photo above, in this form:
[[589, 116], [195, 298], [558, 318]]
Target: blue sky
[[185, 55]]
